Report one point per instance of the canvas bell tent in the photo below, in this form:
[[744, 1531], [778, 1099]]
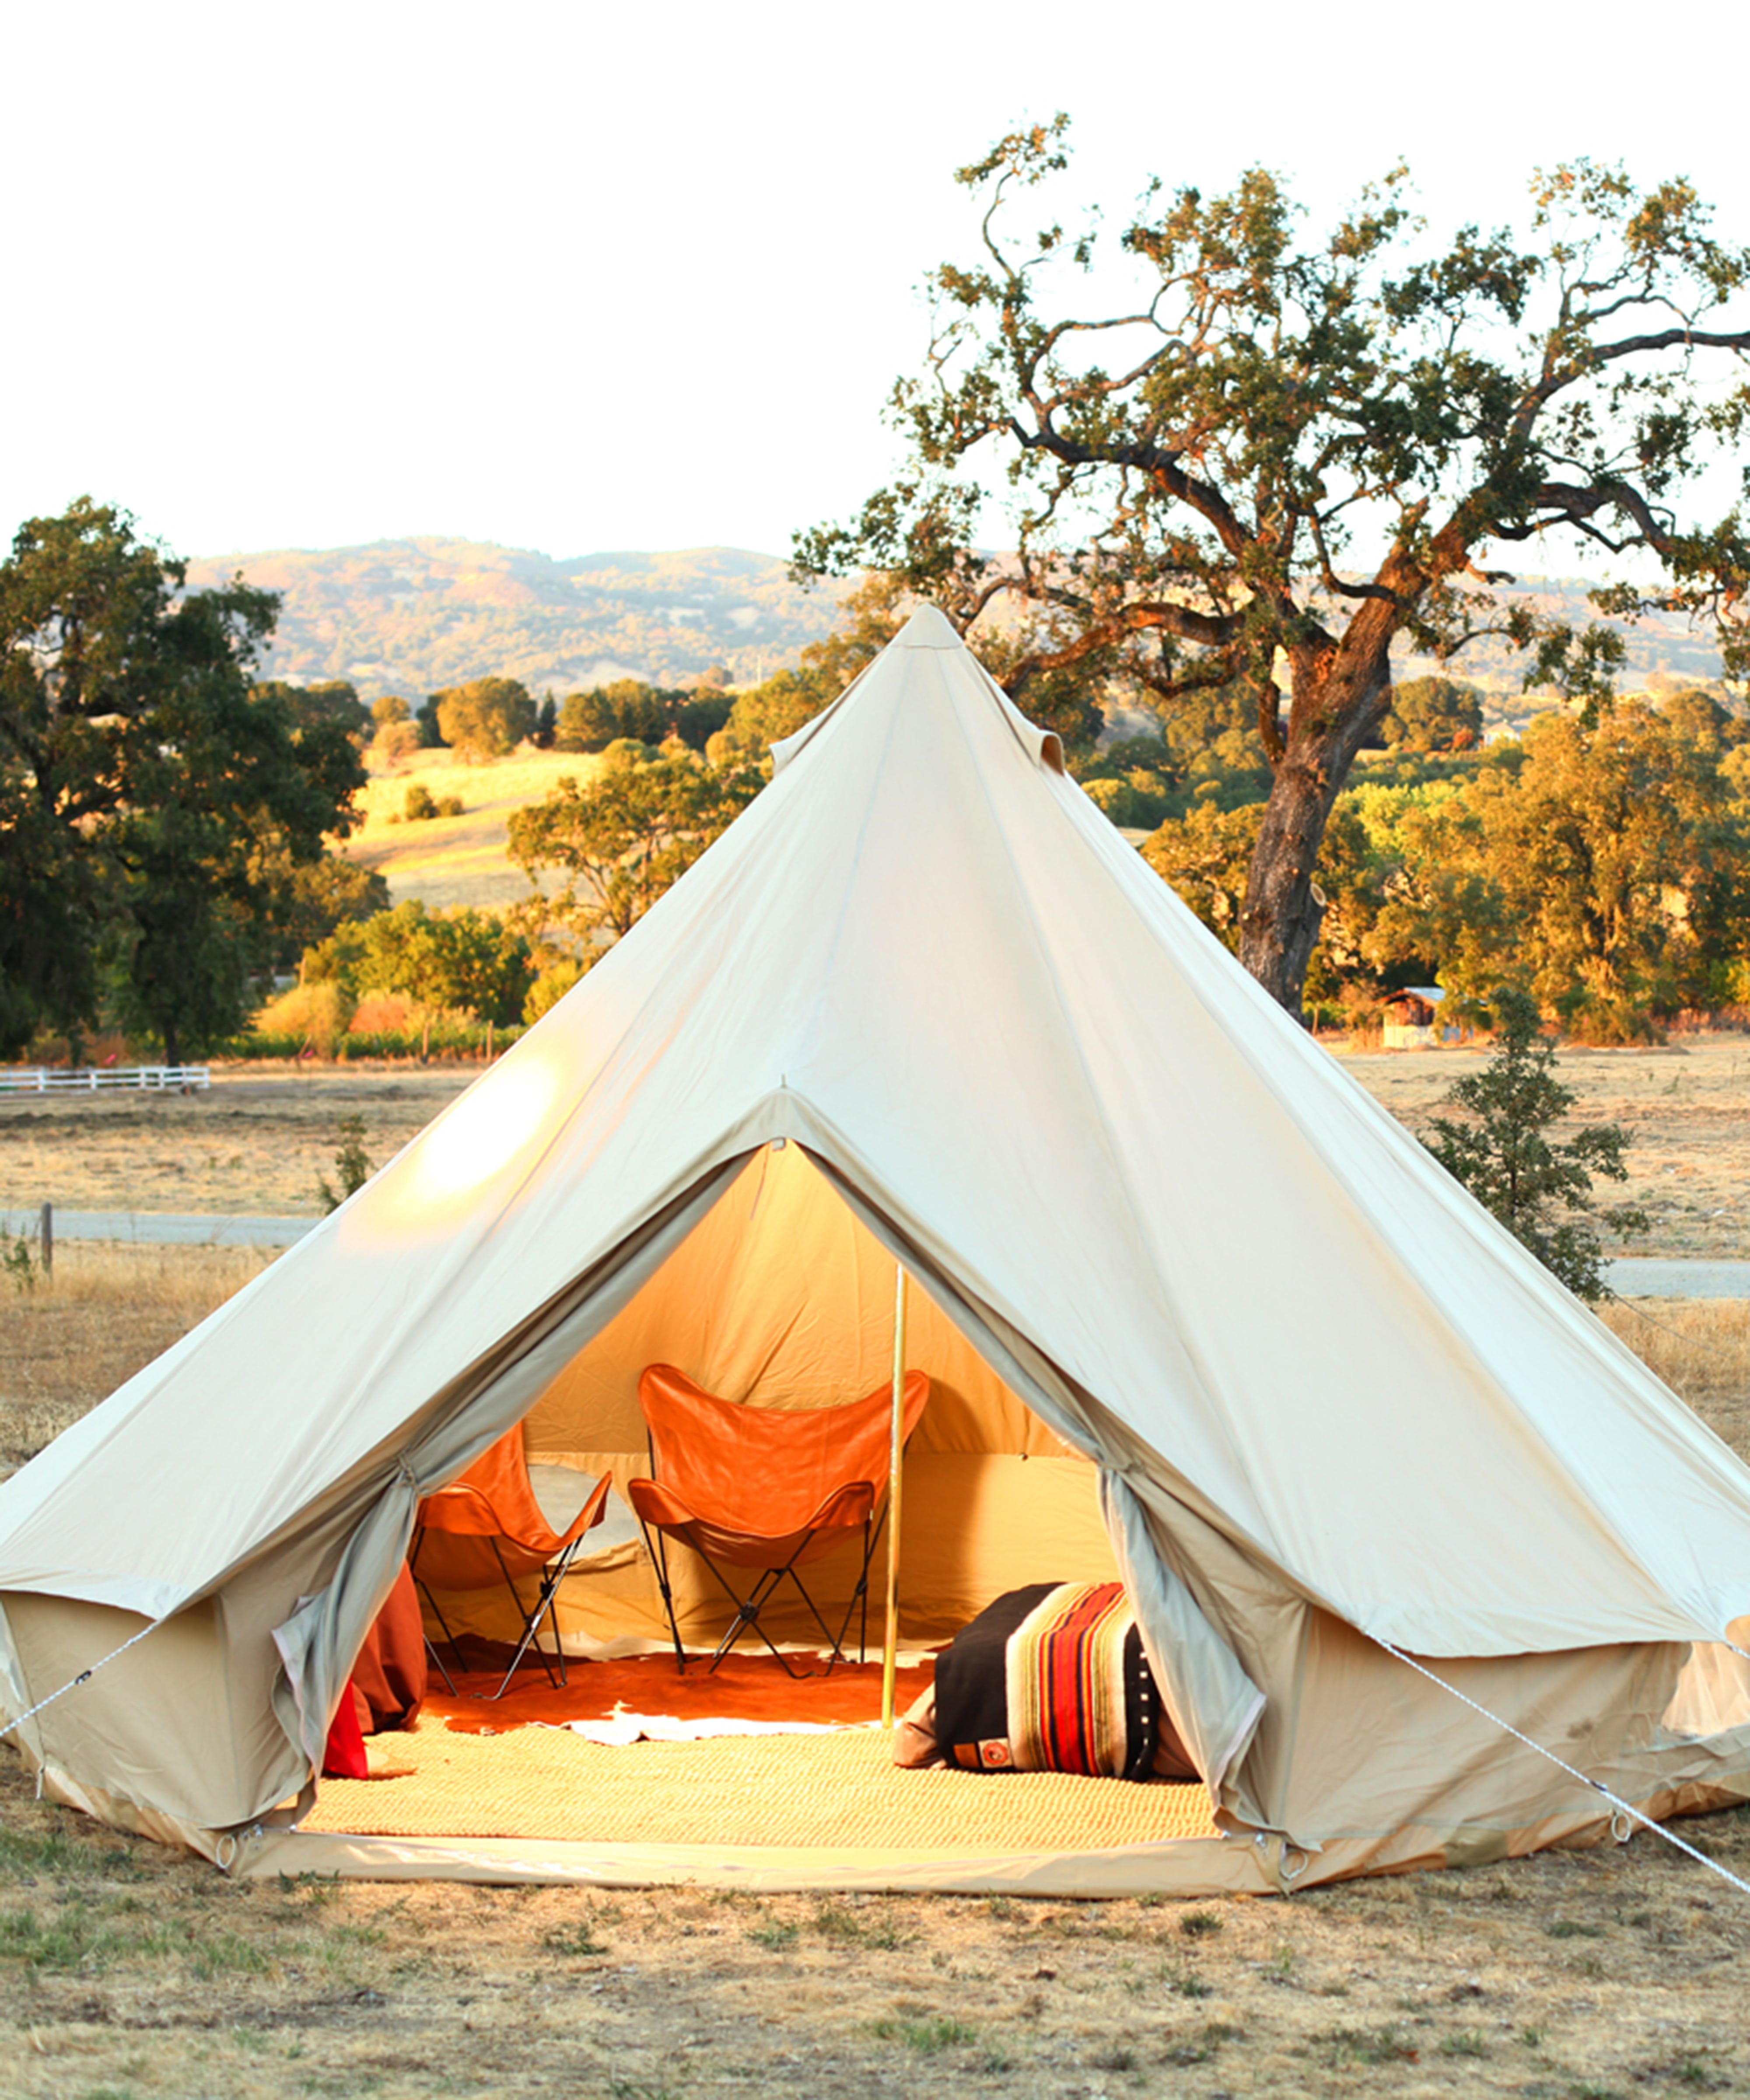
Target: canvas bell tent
[[923, 1003]]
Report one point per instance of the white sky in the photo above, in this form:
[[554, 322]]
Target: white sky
[[582, 276]]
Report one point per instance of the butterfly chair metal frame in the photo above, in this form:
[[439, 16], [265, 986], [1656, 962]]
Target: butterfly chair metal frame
[[765, 1489], [491, 1506]]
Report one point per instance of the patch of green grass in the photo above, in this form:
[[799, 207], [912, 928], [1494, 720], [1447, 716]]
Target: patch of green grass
[[1346, 2045], [1695, 2073], [928, 2037], [1190, 1986], [66, 1942], [317, 1888], [635, 2089], [1467, 2042], [1568, 1928], [775, 1937], [26, 1859], [833, 1922], [225, 1954], [578, 1940], [1199, 1924]]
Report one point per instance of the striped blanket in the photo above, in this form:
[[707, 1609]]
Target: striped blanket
[[1053, 1679]]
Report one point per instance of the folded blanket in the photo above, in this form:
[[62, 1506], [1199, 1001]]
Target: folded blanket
[[1052, 1677]]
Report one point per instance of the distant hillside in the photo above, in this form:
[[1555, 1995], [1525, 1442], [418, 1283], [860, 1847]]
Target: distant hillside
[[410, 616], [1662, 647]]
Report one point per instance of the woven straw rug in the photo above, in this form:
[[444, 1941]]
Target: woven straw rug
[[838, 1789]]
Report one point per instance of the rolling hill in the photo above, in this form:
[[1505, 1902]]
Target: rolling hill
[[408, 617]]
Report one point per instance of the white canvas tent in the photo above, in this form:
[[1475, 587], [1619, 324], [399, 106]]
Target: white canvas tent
[[1170, 1259]]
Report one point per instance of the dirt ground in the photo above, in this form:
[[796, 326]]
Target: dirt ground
[[257, 1142], [126, 1970]]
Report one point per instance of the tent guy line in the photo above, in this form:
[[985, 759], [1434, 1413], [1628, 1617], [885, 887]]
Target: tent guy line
[[84, 1677], [1616, 1802]]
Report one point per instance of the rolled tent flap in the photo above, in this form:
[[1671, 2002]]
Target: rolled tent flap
[[1215, 1706]]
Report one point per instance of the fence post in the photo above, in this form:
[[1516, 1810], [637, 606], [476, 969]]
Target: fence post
[[47, 1238]]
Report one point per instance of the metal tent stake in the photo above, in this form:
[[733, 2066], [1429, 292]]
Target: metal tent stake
[[890, 1644]]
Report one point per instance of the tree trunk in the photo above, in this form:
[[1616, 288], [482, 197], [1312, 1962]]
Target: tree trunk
[[173, 1043], [1279, 920]]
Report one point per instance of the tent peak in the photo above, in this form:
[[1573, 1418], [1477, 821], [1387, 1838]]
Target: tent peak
[[929, 628]]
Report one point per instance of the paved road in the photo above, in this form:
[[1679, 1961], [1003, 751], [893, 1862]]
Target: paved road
[[161, 1227], [1630, 1279], [1679, 1279]]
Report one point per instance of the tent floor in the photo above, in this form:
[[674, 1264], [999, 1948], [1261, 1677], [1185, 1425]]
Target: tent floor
[[533, 1802], [839, 1789]]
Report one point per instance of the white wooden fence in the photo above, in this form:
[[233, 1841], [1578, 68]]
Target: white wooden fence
[[52, 1079]]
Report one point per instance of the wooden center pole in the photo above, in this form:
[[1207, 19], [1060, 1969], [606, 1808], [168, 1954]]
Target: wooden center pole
[[895, 1459]]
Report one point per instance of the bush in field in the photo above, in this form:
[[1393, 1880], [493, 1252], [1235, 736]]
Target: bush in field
[[416, 805], [315, 1015], [456, 961], [551, 986], [352, 1164], [486, 718], [1538, 1186]]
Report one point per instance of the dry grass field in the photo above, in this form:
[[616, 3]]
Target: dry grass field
[[128, 1971], [256, 1143], [456, 860]]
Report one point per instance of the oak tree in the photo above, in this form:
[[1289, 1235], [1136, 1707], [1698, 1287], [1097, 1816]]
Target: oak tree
[[1282, 456], [151, 801]]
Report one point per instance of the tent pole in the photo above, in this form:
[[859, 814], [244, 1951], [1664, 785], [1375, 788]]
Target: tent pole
[[890, 1644]]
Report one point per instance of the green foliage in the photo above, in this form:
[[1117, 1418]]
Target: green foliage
[[624, 838], [458, 960], [389, 707], [647, 714], [551, 986], [308, 899], [152, 798], [486, 718], [1607, 870], [417, 804], [765, 714], [18, 1264], [352, 1164], [1538, 1186], [1433, 714], [1275, 455], [329, 702]]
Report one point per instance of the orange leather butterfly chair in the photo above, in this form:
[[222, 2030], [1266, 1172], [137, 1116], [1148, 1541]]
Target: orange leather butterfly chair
[[764, 1489], [487, 1527]]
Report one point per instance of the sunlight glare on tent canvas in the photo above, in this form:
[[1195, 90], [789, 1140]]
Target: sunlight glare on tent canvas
[[483, 1132]]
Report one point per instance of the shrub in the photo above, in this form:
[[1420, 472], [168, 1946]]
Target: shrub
[[314, 1016], [416, 805], [550, 987], [1539, 1188]]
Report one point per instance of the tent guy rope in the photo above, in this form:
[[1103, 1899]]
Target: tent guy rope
[[84, 1677], [1598, 1786]]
